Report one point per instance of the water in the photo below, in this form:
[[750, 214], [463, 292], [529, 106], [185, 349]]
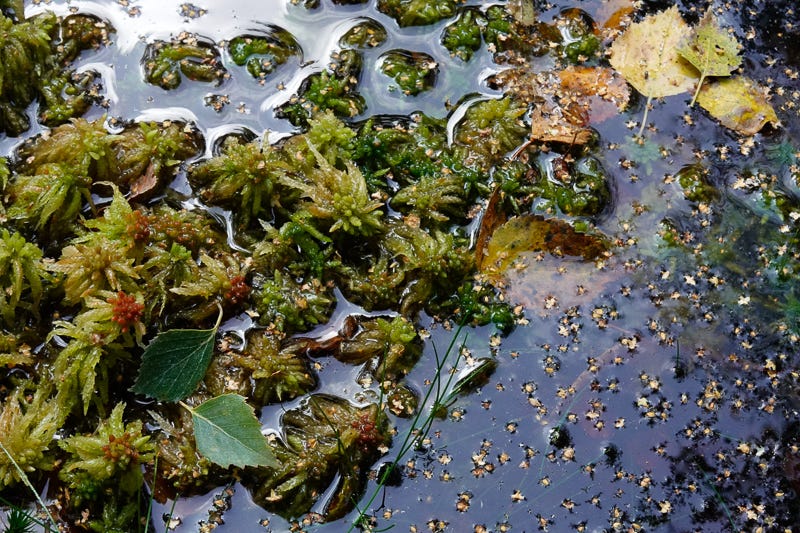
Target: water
[[663, 370]]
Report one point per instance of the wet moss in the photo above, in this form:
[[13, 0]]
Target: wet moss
[[581, 188], [335, 89], [412, 72], [346, 440], [417, 12], [167, 63], [33, 53], [262, 55], [463, 37]]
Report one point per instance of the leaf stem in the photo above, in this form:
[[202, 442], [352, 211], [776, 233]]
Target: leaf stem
[[644, 118], [697, 91]]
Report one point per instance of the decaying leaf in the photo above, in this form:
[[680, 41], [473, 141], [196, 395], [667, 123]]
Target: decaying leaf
[[647, 55], [738, 104], [531, 233], [599, 91], [493, 217], [550, 122], [712, 51]]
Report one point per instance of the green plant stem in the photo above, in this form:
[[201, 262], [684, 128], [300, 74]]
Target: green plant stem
[[417, 432], [24, 477]]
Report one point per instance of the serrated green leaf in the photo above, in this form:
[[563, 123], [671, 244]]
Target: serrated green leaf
[[711, 50], [174, 363], [227, 432]]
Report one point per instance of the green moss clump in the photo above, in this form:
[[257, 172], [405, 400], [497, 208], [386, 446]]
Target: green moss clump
[[32, 61], [462, 38], [432, 198], [27, 428], [578, 30], [577, 189], [242, 178], [391, 347], [338, 196], [217, 281], [347, 440], [413, 72], [56, 172], [262, 55], [413, 267], [334, 90], [22, 278], [277, 374], [417, 12], [166, 63], [111, 456], [493, 127], [365, 34], [291, 306]]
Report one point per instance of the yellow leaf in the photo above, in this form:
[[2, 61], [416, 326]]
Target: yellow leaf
[[738, 104], [647, 55]]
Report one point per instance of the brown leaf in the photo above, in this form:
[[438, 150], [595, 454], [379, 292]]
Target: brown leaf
[[493, 217], [144, 186], [598, 90]]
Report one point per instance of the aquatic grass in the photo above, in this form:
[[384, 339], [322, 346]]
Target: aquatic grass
[[18, 520], [24, 477], [443, 396]]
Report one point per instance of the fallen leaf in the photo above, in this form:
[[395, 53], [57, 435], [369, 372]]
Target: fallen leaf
[[550, 122], [493, 217], [711, 50], [227, 433], [598, 90], [647, 55], [738, 104], [144, 186], [530, 233]]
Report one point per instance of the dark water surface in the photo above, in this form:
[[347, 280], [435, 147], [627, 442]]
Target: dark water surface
[[654, 391]]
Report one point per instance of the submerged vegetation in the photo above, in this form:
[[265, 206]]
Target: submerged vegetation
[[151, 268]]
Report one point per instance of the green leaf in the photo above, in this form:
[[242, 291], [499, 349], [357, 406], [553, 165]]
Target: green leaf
[[227, 432], [738, 104], [174, 363], [711, 50]]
